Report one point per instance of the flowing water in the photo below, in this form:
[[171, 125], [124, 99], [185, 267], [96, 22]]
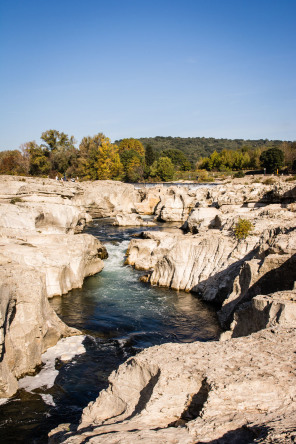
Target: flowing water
[[119, 316]]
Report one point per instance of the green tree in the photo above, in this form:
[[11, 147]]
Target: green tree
[[165, 169], [133, 165], [63, 155], [132, 156], [88, 156], [38, 159], [55, 140], [150, 155], [178, 158], [272, 159]]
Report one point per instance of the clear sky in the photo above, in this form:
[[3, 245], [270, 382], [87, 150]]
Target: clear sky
[[145, 68]]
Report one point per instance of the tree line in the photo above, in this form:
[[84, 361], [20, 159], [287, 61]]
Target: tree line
[[196, 147], [271, 160], [131, 160], [96, 158]]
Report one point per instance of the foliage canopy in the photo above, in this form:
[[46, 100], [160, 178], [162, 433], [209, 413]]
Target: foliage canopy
[[272, 159]]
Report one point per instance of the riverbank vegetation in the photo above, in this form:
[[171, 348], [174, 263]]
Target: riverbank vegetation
[[147, 159]]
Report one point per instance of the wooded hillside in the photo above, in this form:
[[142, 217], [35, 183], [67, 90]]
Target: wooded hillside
[[196, 147]]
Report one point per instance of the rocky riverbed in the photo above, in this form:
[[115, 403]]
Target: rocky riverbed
[[241, 388]]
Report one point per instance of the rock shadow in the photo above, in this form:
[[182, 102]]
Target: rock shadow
[[242, 435]]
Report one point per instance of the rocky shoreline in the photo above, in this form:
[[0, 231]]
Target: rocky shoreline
[[240, 388]]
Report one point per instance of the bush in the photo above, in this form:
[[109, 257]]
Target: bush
[[243, 228], [14, 200], [203, 176], [239, 175], [269, 181]]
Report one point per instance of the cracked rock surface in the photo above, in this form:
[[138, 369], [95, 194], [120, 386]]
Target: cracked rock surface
[[196, 392]]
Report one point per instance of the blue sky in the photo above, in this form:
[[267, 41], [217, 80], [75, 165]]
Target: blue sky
[[145, 68]]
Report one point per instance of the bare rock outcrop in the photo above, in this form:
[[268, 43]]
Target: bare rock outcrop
[[199, 263], [134, 220], [107, 198], [263, 311], [149, 199], [40, 257], [176, 204], [101, 198], [202, 218], [28, 325], [273, 273], [41, 218], [65, 260], [200, 392]]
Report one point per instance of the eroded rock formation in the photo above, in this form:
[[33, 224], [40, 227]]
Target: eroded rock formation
[[40, 257], [189, 393], [28, 325], [238, 389]]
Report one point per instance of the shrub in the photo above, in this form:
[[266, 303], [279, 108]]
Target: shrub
[[239, 175], [243, 228], [14, 200], [203, 176], [269, 181]]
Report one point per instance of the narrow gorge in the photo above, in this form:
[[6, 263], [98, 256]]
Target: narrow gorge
[[192, 383]]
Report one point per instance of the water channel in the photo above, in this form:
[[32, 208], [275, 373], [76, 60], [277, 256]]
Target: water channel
[[119, 316]]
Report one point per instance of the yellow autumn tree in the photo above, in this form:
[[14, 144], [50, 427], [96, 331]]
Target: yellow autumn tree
[[131, 145], [108, 164]]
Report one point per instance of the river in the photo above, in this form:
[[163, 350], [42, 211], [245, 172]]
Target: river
[[119, 316]]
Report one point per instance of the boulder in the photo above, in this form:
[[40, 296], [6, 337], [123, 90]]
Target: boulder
[[202, 218], [134, 220]]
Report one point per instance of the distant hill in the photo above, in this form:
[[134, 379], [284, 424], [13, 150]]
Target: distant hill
[[196, 147]]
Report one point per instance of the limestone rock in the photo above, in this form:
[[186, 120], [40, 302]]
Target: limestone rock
[[28, 325], [202, 218], [176, 204], [263, 311], [135, 220], [107, 198], [40, 257], [64, 259], [32, 218], [186, 262], [149, 199], [273, 271], [189, 393]]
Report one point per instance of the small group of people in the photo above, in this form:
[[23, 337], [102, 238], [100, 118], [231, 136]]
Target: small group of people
[[64, 178]]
